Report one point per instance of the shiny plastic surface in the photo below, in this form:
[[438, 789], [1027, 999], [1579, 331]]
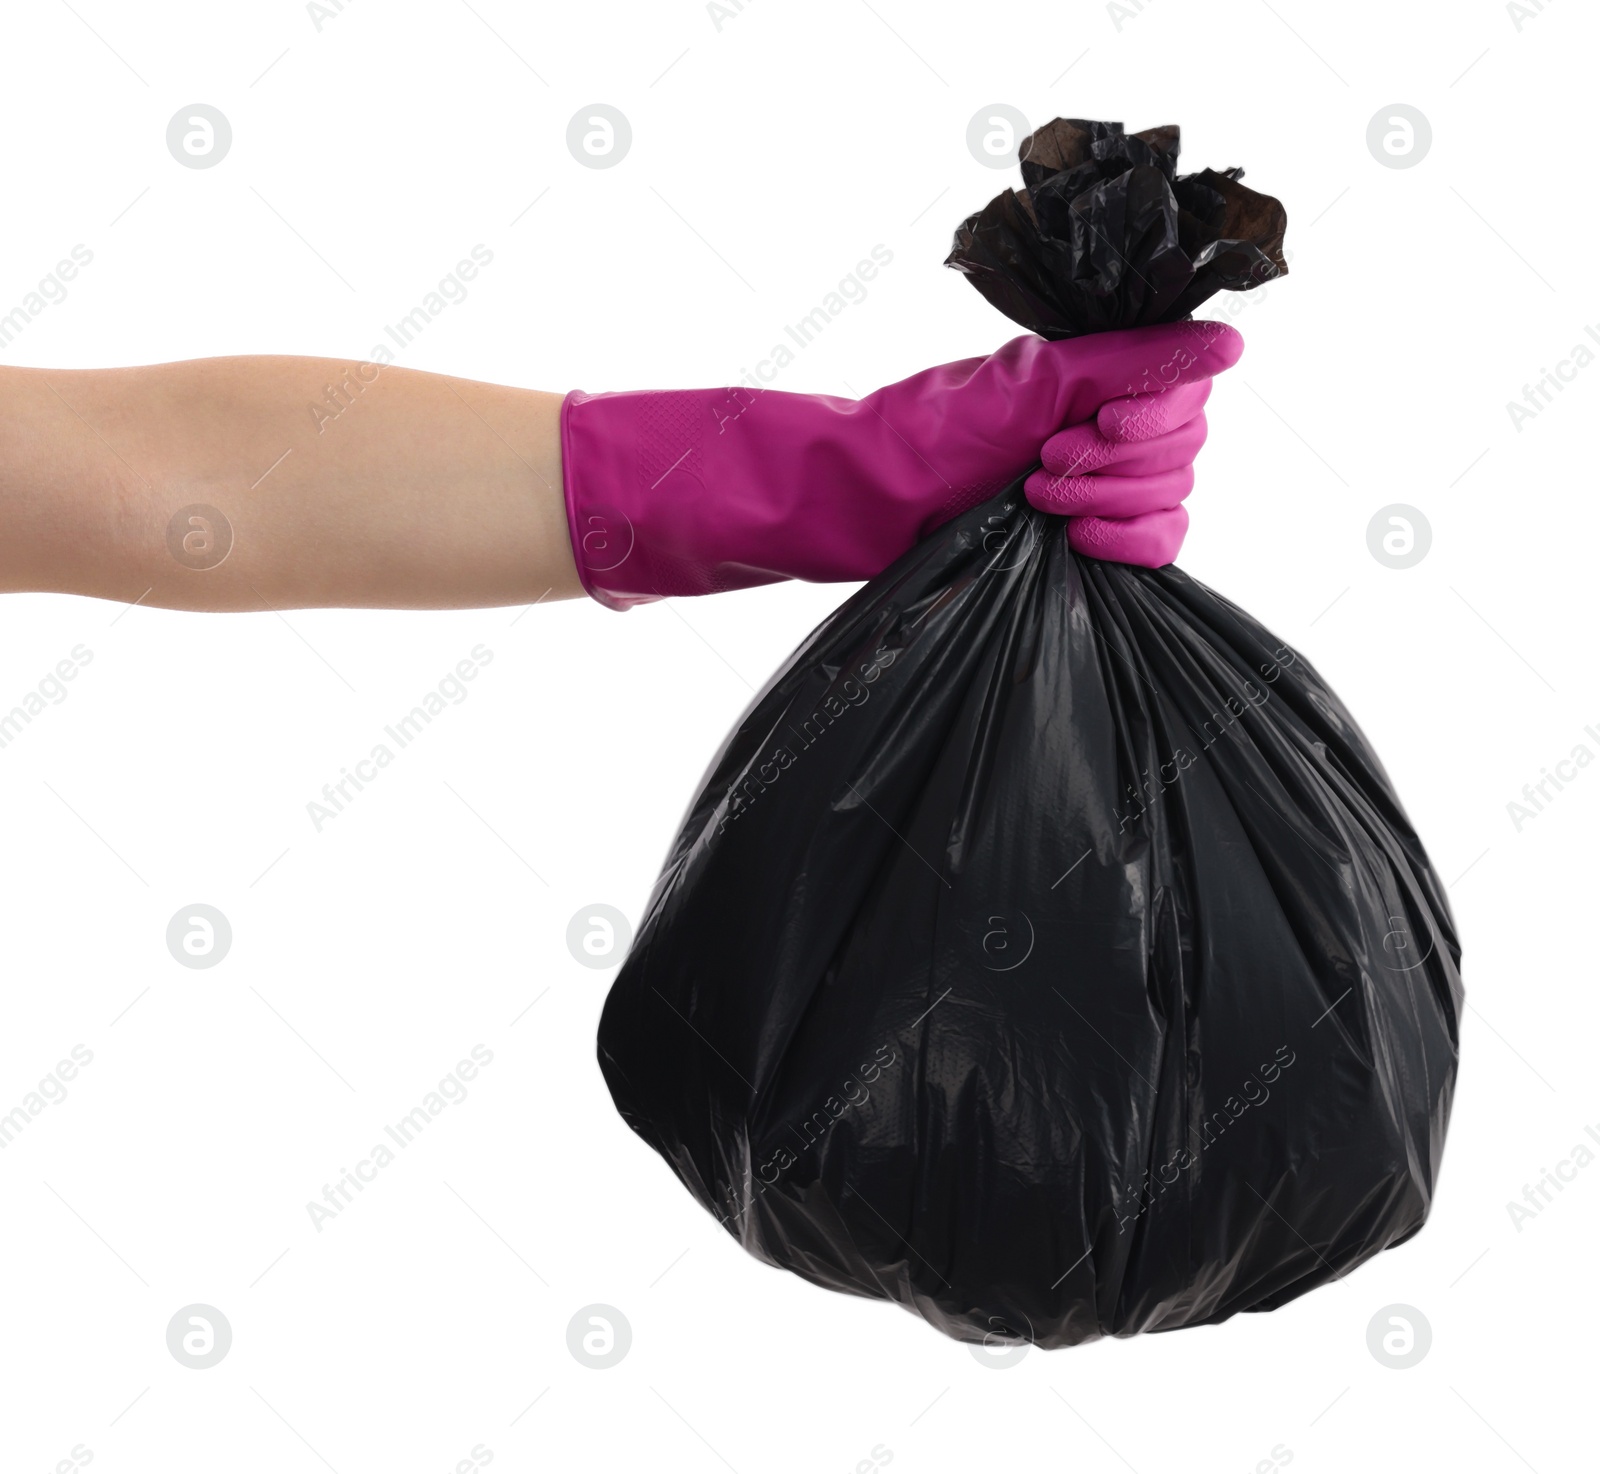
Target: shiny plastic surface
[[1046, 950], [1107, 234]]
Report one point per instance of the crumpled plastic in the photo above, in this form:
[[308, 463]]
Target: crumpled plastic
[[1046, 949], [1107, 234]]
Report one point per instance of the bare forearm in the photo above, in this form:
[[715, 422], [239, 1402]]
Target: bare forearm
[[337, 485]]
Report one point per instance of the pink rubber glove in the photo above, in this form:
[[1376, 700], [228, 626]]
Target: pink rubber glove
[[1120, 478], [701, 491]]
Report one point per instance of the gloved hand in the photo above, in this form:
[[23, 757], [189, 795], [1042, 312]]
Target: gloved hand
[[1120, 478], [701, 491]]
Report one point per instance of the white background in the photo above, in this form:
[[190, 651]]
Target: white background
[[768, 156]]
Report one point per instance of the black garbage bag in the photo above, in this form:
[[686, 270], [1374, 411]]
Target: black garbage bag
[[1046, 951]]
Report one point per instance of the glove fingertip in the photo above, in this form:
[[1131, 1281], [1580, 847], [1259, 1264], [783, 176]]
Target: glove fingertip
[[1076, 451], [1152, 540], [1219, 347], [1049, 492]]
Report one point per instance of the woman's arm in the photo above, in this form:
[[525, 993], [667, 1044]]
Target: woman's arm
[[340, 484]]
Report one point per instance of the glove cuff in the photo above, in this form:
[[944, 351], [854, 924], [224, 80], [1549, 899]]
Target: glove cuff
[[603, 535]]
